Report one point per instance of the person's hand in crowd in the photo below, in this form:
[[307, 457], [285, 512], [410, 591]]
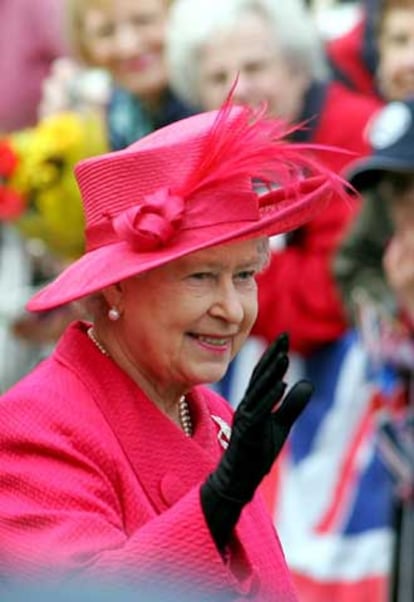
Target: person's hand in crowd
[[261, 425], [398, 262], [56, 87], [70, 86]]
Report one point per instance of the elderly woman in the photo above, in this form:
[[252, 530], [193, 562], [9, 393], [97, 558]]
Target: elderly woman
[[275, 50], [116, 460]]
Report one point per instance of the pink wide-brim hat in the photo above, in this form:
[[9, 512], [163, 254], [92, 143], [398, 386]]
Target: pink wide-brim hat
[[188, 186]]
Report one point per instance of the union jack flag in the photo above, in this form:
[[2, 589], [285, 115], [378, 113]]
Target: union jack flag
[[331, 493]]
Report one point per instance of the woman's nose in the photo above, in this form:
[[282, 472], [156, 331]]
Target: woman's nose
[[127, 40], [241, 92], [228, 304]]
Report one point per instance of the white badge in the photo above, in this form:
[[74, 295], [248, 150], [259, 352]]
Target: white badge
[[224, 432], [389, 125]]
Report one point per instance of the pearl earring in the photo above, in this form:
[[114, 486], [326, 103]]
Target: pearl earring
[[114, 314]]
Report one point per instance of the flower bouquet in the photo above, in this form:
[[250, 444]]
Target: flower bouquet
[[38, 190]]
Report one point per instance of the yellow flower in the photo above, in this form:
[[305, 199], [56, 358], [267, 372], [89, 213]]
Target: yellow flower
[[48, 154]]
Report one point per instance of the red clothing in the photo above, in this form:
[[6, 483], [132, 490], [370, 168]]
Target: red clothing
[[95, 478], [345, 55], [297, 292]]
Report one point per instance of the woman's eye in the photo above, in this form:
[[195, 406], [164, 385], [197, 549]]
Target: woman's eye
[[254, 67], [217, 78], [399, 39], [201, 275], [246, 275], [105, 30], [143, 20]]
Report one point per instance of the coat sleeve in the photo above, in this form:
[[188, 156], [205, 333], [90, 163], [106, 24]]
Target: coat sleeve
[[62, 509]]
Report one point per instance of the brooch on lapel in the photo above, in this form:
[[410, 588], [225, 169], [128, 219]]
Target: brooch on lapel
[[224, 431]]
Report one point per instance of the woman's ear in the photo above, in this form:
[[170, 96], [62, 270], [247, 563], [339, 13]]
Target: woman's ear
[[113, 295]]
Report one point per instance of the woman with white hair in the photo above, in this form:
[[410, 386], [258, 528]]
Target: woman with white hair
[[274, 50], [196, 27]]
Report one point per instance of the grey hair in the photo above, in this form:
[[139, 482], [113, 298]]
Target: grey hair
[[263, 247], [193, 22]]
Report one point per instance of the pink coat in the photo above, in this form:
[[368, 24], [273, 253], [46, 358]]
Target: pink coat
[[94, 478]]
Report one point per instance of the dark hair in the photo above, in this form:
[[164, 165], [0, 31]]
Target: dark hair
[[397, 183], [386, 6]]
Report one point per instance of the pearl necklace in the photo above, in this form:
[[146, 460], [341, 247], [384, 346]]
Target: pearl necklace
[[184, 415], [91, 334]]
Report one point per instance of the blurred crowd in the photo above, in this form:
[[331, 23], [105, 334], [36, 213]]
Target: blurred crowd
[[79, 77]]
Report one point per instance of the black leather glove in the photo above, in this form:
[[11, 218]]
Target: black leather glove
[[258, 434]]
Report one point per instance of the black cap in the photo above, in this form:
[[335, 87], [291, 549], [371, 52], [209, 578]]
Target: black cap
[[390, 133]]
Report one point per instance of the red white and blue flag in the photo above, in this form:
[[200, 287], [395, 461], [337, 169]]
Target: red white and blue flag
[[331, 494]]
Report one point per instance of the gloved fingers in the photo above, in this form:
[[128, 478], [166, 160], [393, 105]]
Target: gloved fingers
[[279, 346], [274, 373], [293, 405], [266, 402], [266, 383]]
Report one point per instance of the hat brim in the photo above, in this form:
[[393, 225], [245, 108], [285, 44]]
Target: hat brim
[[112, 263], [366, 173]]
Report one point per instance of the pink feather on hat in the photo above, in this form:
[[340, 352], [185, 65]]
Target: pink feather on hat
[[185, 187]]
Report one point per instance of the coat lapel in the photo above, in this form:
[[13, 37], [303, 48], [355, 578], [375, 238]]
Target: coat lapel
[[166, 462]]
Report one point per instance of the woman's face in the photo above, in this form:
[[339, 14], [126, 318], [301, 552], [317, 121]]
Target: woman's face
[[182, 323], [250, 50], [396, 54], [126, 37]]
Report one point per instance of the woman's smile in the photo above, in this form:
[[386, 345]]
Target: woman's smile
[[139, 63], [213, 342]]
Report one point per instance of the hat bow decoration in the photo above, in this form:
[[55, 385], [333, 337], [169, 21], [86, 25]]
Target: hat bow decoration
[[186, 187], [152, 222]]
